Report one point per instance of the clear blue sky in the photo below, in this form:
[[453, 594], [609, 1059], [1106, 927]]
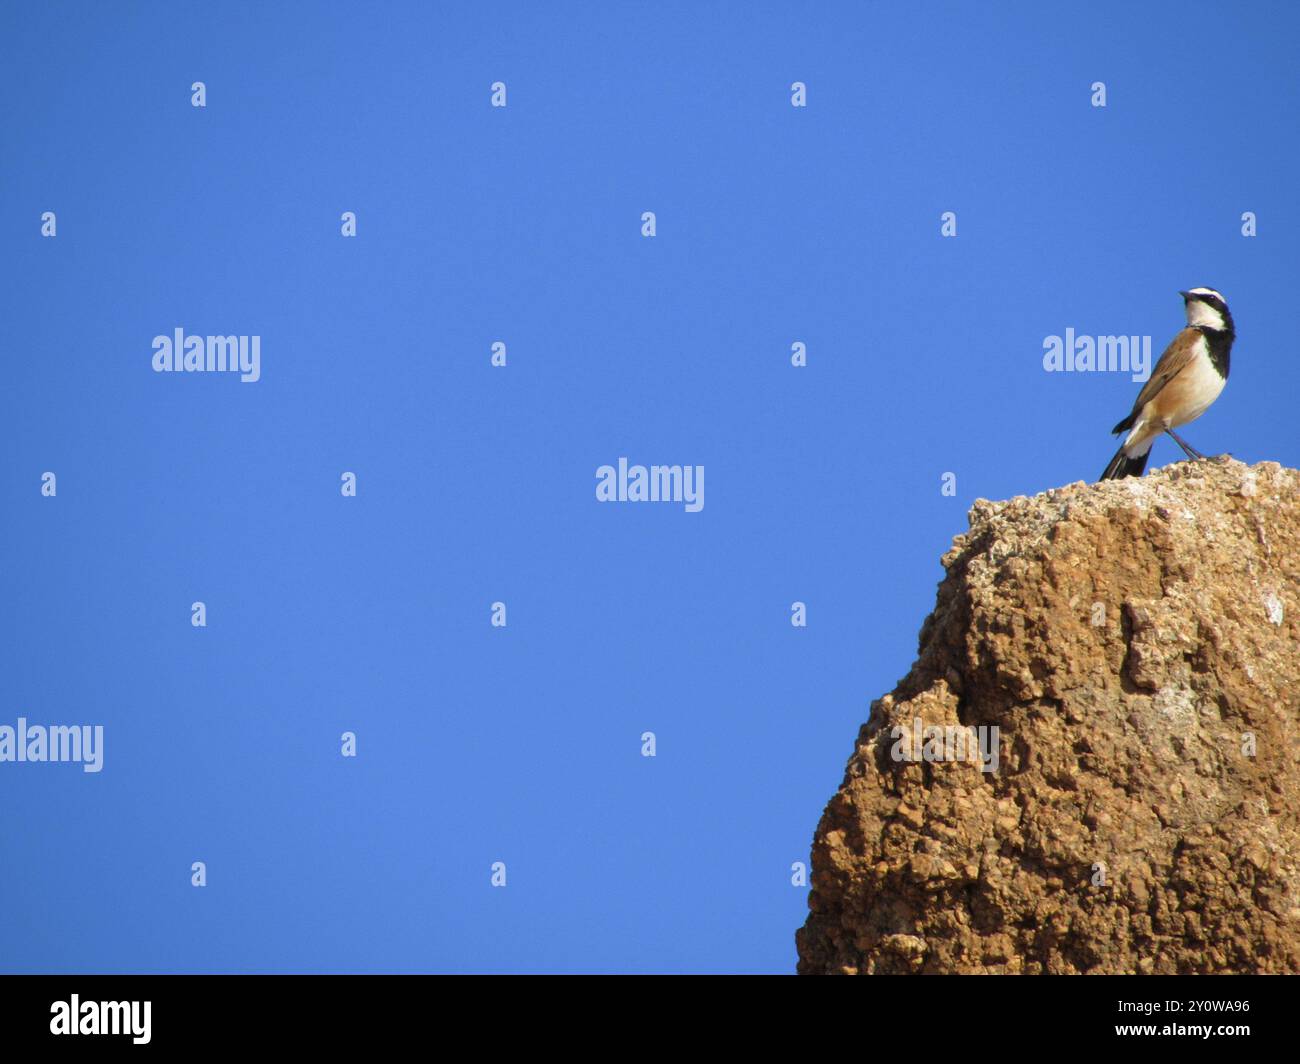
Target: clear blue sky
[[476, 484]]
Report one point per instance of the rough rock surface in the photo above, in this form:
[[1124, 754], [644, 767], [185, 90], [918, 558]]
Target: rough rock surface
[[1137, 643]]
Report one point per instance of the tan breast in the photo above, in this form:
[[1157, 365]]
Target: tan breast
[[1189, 394]]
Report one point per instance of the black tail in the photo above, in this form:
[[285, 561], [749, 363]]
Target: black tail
[[1123, 466]]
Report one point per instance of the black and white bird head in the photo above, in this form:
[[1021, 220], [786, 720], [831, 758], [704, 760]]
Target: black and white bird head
[[1207, 309]]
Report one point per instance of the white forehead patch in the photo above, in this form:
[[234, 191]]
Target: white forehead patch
[[1205, 292]]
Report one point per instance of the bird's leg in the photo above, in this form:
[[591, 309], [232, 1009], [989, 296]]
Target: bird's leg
[[1188, 449]]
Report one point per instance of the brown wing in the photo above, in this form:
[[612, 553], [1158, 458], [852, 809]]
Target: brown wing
[[1176, 356]]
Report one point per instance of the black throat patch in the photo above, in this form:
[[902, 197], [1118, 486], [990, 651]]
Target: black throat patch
[[1219, 342]]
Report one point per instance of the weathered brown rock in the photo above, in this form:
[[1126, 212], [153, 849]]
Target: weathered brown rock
[[1130, 640]]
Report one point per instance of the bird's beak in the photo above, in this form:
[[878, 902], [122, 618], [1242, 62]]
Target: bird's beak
[[1186, 295]]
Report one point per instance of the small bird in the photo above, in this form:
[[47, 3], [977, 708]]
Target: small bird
[[1188, 377]]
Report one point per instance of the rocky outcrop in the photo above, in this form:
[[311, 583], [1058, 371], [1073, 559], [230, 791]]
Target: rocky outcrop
[[1136, 644]]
